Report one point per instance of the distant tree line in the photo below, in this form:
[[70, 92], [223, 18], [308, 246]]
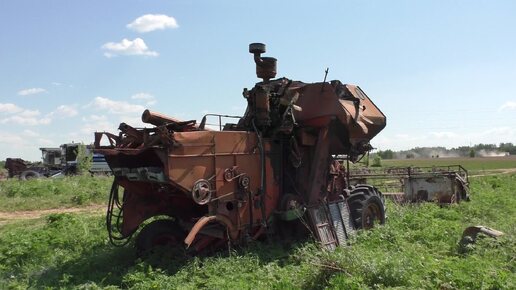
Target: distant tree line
[[478, 150]]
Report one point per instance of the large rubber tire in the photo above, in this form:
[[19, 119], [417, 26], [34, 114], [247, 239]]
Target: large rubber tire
[[159, 233], [367, 206], [29, 174]]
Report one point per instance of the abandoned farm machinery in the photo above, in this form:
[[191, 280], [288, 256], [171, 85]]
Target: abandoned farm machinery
[[276, 169]]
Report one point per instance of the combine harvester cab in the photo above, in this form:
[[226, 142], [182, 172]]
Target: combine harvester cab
[[274, 169]]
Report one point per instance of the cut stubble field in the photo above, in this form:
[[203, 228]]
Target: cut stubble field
[[416, 248]]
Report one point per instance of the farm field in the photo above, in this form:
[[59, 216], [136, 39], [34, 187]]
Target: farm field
[[416, 248], [474, 165]]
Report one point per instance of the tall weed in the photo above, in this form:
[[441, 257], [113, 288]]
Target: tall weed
[[47, 193]]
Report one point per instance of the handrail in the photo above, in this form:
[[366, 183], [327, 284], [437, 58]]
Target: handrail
[[203, 121]]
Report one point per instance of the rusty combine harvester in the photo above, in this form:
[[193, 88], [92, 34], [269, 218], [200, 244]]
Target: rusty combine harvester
[[274, 169]]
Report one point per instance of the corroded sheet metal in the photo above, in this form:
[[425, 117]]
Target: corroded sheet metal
[[429, 188]]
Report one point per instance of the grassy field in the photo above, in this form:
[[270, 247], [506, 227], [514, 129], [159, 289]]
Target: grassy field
[[416, 249], [45, 193], [471, 164]]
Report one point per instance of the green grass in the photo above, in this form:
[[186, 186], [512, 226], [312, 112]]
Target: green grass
[[416, 249], [472, 164], [45, 193]]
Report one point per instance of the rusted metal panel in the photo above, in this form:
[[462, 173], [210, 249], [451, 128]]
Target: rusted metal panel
[[428, 188], [15, 166], [207, 154]]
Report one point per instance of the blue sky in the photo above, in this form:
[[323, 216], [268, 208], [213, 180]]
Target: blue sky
[[444, 72]]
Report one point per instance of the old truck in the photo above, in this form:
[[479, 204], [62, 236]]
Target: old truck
[[274, 170]]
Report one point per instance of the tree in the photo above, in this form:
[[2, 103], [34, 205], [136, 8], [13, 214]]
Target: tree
[[387, 154], [508, 147], [472, 153]]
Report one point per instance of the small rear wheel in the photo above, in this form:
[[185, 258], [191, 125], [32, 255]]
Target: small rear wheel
[[159, 233]]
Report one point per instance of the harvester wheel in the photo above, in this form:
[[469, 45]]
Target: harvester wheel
[[29, 174], [367, 207], [159, 233], [461, 190]]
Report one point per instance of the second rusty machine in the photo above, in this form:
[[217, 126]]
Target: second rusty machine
[[280, 165]]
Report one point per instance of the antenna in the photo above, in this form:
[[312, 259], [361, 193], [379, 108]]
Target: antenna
[[324, 81]]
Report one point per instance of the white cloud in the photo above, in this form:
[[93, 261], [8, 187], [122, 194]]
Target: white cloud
[[115, 107], [22, 116], [147, 98], [127, 47], [151, 22], [133, 121], [64, 111], [25, 145], [31, 91], [510, 105], [26, 121], [91, 124], [11, 139], [94, 118], [100, 126], [9, 108], [29, 113], [58, 84]]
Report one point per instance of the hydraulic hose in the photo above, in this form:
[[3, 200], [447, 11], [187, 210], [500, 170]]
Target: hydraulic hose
[[262, 168], [116, 239]]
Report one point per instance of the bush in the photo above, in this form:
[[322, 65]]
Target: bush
[[84, 159], [377, 161]]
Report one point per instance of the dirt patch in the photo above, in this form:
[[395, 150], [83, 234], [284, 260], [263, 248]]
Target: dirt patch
[[34, 214]]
